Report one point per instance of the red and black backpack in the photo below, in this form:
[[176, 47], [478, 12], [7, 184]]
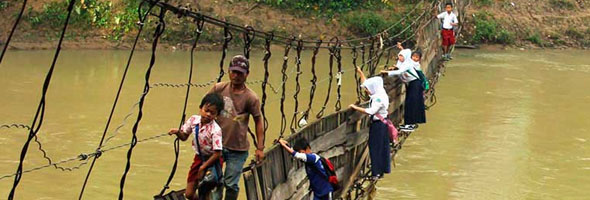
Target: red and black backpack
[[330, 173]]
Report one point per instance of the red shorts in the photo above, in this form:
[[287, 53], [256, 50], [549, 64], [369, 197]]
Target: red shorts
[[448, 37], [192, 173]]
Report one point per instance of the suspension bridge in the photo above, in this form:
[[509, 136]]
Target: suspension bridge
[[340, 136]]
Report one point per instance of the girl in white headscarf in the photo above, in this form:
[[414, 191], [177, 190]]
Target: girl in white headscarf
[[414, 109], [378, 131]]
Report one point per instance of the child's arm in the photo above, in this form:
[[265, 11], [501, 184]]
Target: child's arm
[[357, 108], [286, 146], [179, 133], [361, 74], [212, 159], [399, 46], [307, 158]]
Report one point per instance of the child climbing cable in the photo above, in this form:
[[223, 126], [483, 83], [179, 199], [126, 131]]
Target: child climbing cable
[[316, 173], [414, 109], [379, 138], [207, 143]]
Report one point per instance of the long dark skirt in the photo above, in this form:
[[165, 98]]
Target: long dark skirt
[[414, 110], [379, 149]]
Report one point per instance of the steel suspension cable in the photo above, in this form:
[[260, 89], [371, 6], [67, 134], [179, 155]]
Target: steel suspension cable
[[140, 23], [227, 37], [284, 82], [38, 119], [19, 16], [313, 81], [338, 57], [267, 54], [199, 30], [158, 32], [298, 49], [330, 77]]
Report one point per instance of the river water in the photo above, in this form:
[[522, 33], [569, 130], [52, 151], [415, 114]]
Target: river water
[[507, 125]]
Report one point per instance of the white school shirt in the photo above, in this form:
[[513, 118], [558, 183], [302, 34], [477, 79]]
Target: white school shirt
[[448, 19], [404, 71], [379, 105]]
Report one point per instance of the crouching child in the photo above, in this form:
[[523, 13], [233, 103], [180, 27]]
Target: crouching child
[[207, 143], [317, 174]]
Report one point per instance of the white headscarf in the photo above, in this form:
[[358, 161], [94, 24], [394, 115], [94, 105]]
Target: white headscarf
[[375, 86], [407, 54], [379, 98]]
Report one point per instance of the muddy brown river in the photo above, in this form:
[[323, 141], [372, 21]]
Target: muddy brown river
[[507, 125]]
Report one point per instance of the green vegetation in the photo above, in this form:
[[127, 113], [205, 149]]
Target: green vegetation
[[505, 37], [92, 13], [535, 39], [574, 33], [4, 4], [325, 8], [484, 2], [366, 23], [371, 23], [487, 30], [562, 4]]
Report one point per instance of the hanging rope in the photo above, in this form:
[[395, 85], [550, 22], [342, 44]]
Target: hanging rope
[[158, 32], [267, 54], [19, 16], [330, 77], [299, 48], [38, 119], [199, 30], [36, 140], [18, 126], [83, 157], [362, 57], [277, 38], [249, 36], [338, 56], [141, 17], [313, 81], [227, 37], [356, 78], [388, 58], [283, 71], [371, 61]]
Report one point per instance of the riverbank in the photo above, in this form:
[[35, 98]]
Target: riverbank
[[529, 24], [98, 24]]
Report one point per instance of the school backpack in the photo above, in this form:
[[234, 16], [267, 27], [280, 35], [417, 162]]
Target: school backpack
[[421, 77], [391, 130], [330, 173]]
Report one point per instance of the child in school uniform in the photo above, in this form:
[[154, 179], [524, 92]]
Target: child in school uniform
[[319, 184], [207, 143], [414, 108], [379, 150], [449, 20]]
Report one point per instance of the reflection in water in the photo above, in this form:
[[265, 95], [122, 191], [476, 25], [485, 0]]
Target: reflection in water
[[508, 125]]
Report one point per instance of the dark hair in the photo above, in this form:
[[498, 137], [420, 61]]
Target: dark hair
[[213, 99], [300, 144], [419, 53], [449, 4]]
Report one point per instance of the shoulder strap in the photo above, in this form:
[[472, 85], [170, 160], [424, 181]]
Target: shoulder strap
[[380, 117], [413, 73], [197, 141], [325, 174]]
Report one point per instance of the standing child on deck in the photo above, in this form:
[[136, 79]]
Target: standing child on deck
[[414, 109], [319, 184], [378, 131], [448, 35], [207, 143]]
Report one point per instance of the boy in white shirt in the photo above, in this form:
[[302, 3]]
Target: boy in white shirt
[[448, 36]]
